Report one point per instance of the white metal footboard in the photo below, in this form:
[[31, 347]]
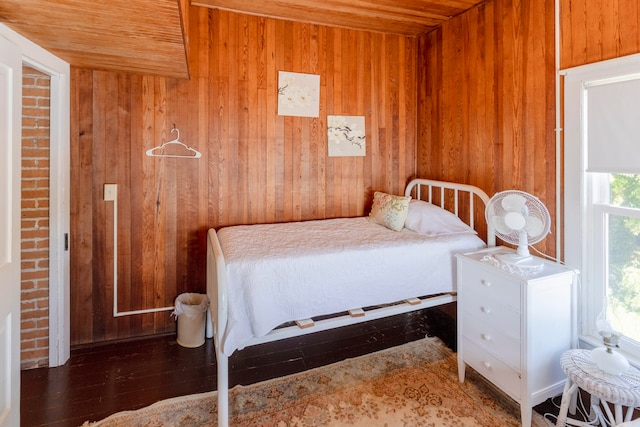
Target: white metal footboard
[[217, 287], [218, 309]]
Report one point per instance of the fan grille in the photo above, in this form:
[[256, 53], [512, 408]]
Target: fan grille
[[513, 212]]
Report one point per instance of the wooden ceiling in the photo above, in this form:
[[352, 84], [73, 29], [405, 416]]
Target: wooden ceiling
[[147, 36], [138, 36], [406, 17]]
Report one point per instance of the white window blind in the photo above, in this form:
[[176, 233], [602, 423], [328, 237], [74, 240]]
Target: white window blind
[[613, 125]]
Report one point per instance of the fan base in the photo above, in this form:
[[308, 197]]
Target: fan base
[[523, 265]]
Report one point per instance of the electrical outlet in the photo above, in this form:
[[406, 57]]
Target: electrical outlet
[[110, 192]]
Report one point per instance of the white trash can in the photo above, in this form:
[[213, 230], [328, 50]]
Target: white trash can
[[191, 313]]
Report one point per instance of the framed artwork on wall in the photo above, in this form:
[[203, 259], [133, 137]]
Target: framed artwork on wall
[[298, 94], [346, 136]]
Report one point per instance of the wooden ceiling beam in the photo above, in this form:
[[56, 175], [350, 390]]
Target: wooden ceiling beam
[[408, 17]]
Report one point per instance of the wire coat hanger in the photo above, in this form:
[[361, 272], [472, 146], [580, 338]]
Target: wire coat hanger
[[157, 151]]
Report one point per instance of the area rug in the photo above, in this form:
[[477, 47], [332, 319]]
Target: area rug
[[412, 385]]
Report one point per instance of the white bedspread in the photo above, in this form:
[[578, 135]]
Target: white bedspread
[[291, 271]]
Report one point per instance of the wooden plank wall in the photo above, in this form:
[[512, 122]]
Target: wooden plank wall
[[480, 97], [596, 30], [256, 166], [486, 107], [486, 100]]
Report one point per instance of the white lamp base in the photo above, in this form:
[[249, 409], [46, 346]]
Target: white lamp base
[[609, 361]]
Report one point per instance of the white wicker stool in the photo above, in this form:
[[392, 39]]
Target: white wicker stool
[[606, 390]]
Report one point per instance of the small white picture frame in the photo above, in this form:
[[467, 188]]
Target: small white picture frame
[[298, 94], [346, 136]]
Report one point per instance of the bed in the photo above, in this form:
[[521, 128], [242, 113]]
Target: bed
[[267, 282]]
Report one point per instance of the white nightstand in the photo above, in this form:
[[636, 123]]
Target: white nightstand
[[513, 329]]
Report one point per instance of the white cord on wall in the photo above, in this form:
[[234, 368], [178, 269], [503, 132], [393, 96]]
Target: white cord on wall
[[111, 195], [558, 134]]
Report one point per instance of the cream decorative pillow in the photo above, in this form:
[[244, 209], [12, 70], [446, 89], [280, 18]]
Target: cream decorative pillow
[[389, 210]]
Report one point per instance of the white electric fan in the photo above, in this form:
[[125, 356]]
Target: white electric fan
[[521, 219]]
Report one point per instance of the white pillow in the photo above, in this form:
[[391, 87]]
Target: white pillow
[[389, 210], [431, 220]]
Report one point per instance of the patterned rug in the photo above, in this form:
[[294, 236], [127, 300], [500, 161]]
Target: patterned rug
[[412, 385]]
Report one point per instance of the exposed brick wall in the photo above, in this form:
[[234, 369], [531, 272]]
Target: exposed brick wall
[[35, 219]]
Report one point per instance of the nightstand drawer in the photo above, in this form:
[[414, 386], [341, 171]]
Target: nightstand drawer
[[493, 339], [491, 314], [478, 283], [492, 368]]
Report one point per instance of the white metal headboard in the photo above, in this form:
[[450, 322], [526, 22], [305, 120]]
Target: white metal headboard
[[417, 187]]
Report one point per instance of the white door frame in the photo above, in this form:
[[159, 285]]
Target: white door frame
[[59, 208], [10, 135]]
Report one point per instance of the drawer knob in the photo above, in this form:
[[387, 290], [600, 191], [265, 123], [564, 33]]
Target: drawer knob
[[486, 337], [485, 283], [485, 310], [487, 365]]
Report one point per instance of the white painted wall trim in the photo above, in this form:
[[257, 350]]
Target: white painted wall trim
[[59, 209]]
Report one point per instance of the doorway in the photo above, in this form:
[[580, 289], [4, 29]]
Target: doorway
[[59, 183], [34, 236]]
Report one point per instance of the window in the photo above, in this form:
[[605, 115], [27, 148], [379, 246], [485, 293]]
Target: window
[[602, 195], [617, 226]]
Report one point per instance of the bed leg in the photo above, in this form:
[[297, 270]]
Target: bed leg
[[223, 389]]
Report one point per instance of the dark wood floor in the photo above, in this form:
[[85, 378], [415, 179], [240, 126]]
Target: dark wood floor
[[103, 379]]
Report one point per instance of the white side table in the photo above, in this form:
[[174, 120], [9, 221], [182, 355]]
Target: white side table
[[606, 390], [512, 328]]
